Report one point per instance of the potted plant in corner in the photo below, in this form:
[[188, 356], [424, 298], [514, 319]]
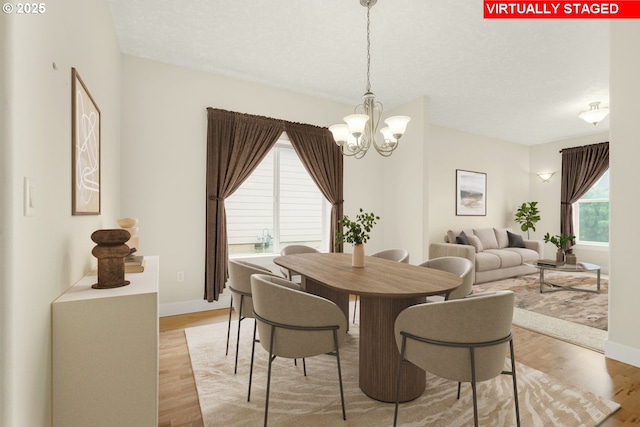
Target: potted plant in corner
[[527, 215], [357, 233], [560, 241]]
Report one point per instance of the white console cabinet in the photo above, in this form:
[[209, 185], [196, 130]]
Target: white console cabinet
[[105, 353]]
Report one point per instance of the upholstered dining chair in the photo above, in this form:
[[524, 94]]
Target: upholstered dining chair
[[291, 250], [399, 255], [294, 324], [240, 286], [459, 266], [463, 340]]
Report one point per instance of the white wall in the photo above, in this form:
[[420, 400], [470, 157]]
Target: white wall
[[45, 254], [547, 158], [507, 169], [403, 192], [624, 293]]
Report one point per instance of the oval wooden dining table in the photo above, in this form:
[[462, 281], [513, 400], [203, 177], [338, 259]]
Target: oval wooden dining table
[[385, 289]]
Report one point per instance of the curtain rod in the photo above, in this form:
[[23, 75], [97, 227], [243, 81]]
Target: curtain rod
[[582, 146]]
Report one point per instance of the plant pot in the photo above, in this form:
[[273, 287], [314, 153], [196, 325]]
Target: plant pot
[[560, 256], [357, 257]]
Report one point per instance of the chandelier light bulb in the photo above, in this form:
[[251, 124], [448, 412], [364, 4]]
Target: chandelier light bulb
[[397, 125], [356, 124], [389, 141], [340, 133], [387, 135]]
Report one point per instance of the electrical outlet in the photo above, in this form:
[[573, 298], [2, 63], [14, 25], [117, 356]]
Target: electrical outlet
[[180, 276]]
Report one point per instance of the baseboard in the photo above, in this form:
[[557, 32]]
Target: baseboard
[[193, 306], [622, 353]]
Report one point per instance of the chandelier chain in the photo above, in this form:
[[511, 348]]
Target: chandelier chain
[[368, 49]]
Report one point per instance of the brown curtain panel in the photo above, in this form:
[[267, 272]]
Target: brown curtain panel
[[236, 144], [322, 158], [582, 167]]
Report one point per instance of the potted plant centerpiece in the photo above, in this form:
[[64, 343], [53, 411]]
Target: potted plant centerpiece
[[560, 241], [357, 233], [527, 215]]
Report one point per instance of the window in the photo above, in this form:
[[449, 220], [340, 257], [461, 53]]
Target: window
[[591, 214], [278, 205]]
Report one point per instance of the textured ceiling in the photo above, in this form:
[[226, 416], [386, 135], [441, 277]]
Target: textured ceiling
[[523, 81]]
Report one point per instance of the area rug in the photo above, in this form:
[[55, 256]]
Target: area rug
[[569, 315], [585, 308], [314, 400]]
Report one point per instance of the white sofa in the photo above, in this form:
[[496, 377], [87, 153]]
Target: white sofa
[[496, 253]]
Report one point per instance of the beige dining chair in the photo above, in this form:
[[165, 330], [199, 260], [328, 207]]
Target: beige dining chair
[[463, 340], [240, 286], [459, 266], [398, 255], [291, 250], [294, 324]]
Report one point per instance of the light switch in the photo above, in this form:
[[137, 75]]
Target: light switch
[[29, 197]]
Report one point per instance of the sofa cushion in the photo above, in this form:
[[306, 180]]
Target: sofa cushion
[[502, 236], [475, 242], [486, 261], [487, 236], [507, 258], [526, 254], [515, 240]]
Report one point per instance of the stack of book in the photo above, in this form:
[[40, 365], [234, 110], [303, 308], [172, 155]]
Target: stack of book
[[134, 264]]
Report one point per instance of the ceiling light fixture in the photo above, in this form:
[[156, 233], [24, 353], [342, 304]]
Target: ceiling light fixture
[[355, 137], [594, 114]]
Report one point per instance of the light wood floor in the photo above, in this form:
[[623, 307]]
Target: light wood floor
[[584, 368]]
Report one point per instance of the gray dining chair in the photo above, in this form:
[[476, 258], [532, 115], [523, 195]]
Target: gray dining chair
[[291, 250], [459, 266], [294, 324], [398, 255], [463, 340], [241, 301]]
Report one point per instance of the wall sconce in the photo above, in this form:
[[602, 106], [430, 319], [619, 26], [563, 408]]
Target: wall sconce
[[545, 177]]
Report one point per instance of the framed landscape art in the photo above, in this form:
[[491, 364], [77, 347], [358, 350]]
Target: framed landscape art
[[85, 151], [471, 193]]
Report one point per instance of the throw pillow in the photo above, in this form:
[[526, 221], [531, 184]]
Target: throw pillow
[[476, 243], [462, 239], [515, 240]]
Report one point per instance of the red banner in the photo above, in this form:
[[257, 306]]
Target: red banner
[[625, 9]]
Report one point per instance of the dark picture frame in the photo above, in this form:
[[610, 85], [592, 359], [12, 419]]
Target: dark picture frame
[[85, 149], [471, 193]]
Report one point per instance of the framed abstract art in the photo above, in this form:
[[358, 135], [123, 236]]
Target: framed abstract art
[[85, 151], [471, 193]]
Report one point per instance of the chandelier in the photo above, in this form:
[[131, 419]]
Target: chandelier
[[357, 135], [594, 114]]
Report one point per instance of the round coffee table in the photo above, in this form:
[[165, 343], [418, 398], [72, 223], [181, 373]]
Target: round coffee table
[[579, 267]]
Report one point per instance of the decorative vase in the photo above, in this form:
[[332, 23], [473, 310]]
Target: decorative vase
[[110, 251], [357, 257], [560, 257], [571, 259]]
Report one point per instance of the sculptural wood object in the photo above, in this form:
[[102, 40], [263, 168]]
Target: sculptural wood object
[[110, 251]]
